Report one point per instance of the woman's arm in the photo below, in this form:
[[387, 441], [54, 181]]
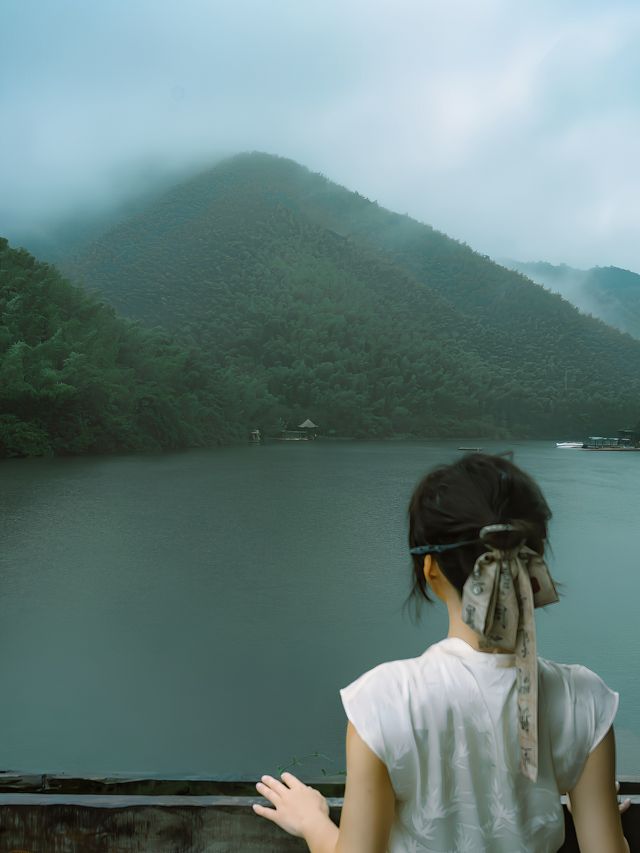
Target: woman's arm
[[369, 801], [594, 802]]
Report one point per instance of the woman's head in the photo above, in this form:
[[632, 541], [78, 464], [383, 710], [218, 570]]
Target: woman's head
[[453, 502]]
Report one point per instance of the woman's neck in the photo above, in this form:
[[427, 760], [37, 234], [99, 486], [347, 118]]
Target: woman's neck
[[457, 628]]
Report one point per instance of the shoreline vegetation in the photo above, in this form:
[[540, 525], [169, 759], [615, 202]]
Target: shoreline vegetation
[[258, 294], [75, 378]]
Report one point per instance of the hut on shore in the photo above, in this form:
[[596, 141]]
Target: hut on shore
[[310, 428]]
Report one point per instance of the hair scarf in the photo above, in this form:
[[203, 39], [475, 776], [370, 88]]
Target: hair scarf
[[498, 600]]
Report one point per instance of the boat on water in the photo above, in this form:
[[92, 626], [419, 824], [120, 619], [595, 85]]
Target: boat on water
[[568, 445], [471, 449]]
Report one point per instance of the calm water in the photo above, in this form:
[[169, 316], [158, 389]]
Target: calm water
[[194, 614]]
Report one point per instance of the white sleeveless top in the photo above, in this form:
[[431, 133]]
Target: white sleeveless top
[[444, 724]]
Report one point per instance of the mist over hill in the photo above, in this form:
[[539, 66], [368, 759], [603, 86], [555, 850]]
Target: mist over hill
[[52, 239], [610, 293], [315, 302]]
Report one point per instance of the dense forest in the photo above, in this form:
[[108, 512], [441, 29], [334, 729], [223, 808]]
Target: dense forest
[[258, 294], [75, 378], [610, 293], [313, 301]]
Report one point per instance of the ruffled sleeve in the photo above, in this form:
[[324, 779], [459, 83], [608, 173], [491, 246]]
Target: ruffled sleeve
[[597, 705], [378, 704], [362, 701], [577, 710]]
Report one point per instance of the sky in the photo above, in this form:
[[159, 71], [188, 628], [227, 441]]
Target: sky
[[512, 125]]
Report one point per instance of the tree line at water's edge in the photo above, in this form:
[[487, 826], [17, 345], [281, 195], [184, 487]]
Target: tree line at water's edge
[[76, 378], [269, 295]]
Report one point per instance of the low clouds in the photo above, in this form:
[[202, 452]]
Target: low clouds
[[509, 126]]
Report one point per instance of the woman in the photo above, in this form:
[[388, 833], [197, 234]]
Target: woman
[[470, 746]]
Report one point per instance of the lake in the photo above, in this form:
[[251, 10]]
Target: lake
[[194, 614]]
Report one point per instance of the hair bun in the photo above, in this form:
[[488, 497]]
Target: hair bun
[[504, 536]]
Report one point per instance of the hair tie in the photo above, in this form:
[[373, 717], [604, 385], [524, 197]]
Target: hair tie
[[448, 546], [495, 528], [507, 527]]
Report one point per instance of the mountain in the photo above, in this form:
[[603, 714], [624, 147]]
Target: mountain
[[610, 293], [316, 302], [75, 378]]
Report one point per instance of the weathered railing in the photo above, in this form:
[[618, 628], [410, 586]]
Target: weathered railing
[[47, 814]]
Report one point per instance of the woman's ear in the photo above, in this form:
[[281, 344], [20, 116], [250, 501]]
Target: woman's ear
[[431, 569], [426, 566], [433, 575]]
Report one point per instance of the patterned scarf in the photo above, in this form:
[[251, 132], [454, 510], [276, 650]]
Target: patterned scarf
[[498, 599]]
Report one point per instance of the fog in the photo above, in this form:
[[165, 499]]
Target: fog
[[511, 126]]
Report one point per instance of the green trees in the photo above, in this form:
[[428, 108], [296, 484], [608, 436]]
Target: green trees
[[269, 295], [315, 302], [75, 378]]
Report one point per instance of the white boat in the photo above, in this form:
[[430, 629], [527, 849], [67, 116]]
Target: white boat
[[567, 445]]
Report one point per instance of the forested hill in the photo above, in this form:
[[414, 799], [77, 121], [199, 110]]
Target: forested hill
[[610, 293], [318, 303], [75, 378]]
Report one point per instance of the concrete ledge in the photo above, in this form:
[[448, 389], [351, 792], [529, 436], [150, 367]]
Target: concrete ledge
[[119, 801], [49, 784], [36, 816], [125, 801], [48, 824]]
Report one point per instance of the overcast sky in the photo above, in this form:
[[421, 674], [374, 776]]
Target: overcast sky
[[513, 125]]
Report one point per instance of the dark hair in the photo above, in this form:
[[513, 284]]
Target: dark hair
[[452, 502]]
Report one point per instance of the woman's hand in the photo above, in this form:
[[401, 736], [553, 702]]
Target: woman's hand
[[622, 807], [297, 806]]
